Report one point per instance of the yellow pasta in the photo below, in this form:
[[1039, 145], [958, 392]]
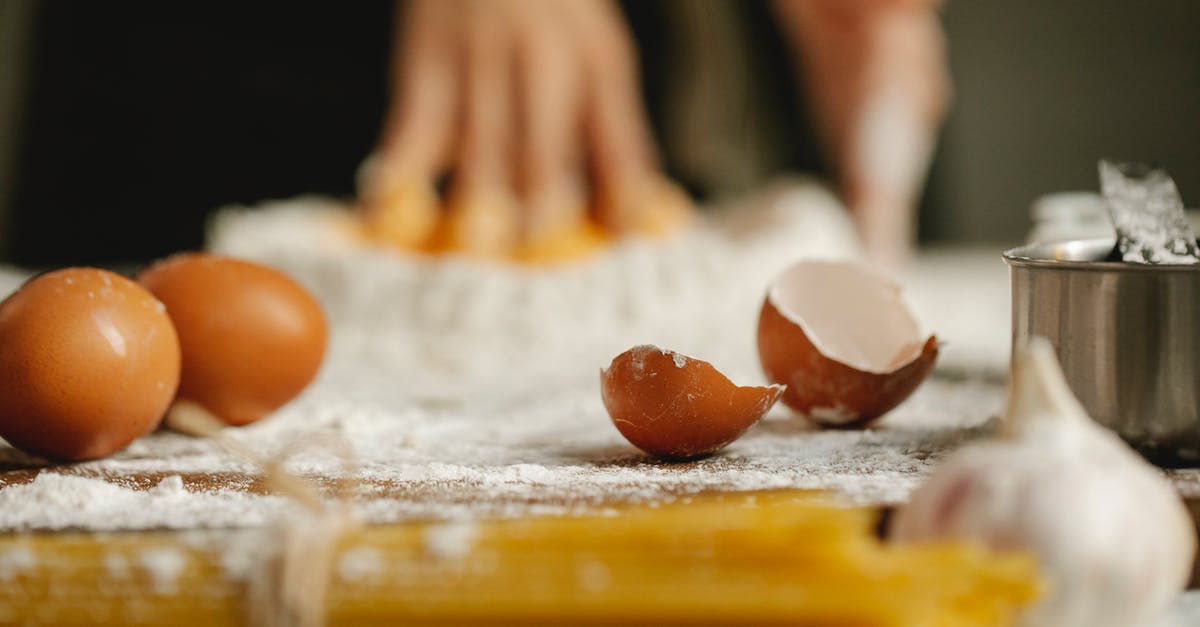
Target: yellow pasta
[[784, 557]]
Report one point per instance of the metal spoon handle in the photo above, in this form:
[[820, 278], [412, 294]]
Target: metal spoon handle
[[1147, 212]]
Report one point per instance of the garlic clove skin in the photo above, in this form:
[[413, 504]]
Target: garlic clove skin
[[1111, 535]]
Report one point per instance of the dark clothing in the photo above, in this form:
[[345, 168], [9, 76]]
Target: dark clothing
[[145, 116]]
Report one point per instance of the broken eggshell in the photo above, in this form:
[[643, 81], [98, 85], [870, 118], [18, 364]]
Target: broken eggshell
[[678, 407], [843, 341]]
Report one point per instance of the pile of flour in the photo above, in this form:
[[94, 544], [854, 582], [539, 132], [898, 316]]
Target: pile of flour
[[448, 327]]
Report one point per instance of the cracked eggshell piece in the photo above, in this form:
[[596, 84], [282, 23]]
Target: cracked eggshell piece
[[678, 407], [843, 341]]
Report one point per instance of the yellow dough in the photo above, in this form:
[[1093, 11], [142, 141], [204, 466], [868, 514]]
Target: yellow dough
[[577, 241], [487, 226], [404, 216], [484, 226]]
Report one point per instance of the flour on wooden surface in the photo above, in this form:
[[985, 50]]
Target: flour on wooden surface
[[164, 565], [554, 456], [14, 561], [451, 539], [359, 564], [470, 390]]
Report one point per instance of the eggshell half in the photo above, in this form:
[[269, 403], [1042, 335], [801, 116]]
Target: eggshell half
[[678, 407], [843, 341], [252, 337], [89, 362]]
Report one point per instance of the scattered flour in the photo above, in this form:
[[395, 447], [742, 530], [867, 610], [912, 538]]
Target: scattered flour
[[359, 564], [171, 485], [468, 390], [450, 539], [554, 455], [116, 565], [15, 561], [164, 565], [55, 500], [593, 575], [10, 278]]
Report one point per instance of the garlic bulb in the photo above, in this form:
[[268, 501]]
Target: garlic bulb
[[1111, 535]]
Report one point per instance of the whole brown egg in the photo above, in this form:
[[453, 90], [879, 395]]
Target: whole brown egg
[[252, 337], [89, 362]]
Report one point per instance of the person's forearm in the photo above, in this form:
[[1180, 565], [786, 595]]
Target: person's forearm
[[876, 79]]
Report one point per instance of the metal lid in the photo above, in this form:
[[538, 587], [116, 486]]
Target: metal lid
[[1082, 255]]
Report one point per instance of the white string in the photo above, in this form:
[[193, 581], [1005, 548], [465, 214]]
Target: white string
[[290, 585]]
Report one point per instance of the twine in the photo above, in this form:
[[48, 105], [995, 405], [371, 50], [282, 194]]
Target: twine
[[290, 584]]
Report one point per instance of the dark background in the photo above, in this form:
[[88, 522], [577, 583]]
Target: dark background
[[142, 116], [123, 123], [1044, 89]]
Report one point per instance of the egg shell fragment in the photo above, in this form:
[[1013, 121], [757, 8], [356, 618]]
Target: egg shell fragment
[[252, 337], [677, 407], [841, 339], [89, 362]]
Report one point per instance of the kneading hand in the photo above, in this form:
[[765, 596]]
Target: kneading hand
[[530, 107]]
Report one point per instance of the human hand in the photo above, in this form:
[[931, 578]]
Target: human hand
[[877, 80], [531, 107]]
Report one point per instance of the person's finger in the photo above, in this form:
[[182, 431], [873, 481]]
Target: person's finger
[[549, 175], [484, 220], [487, 99], [396, 183], [618, 136], [876, 72], [418, 136]]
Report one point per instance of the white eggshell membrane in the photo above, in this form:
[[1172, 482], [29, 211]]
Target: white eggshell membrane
[[851, 313]]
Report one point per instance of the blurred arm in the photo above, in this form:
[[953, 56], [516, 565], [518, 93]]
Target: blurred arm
[[528, 107], [875, 74]]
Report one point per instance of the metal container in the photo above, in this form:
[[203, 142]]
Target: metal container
[[1128, 337]]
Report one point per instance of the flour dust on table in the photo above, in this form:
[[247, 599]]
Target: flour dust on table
[[468, 390]]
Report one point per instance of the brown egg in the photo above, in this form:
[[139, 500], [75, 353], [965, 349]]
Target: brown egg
[[842, 340], [252, 337], [678, 407], [89, 362]]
